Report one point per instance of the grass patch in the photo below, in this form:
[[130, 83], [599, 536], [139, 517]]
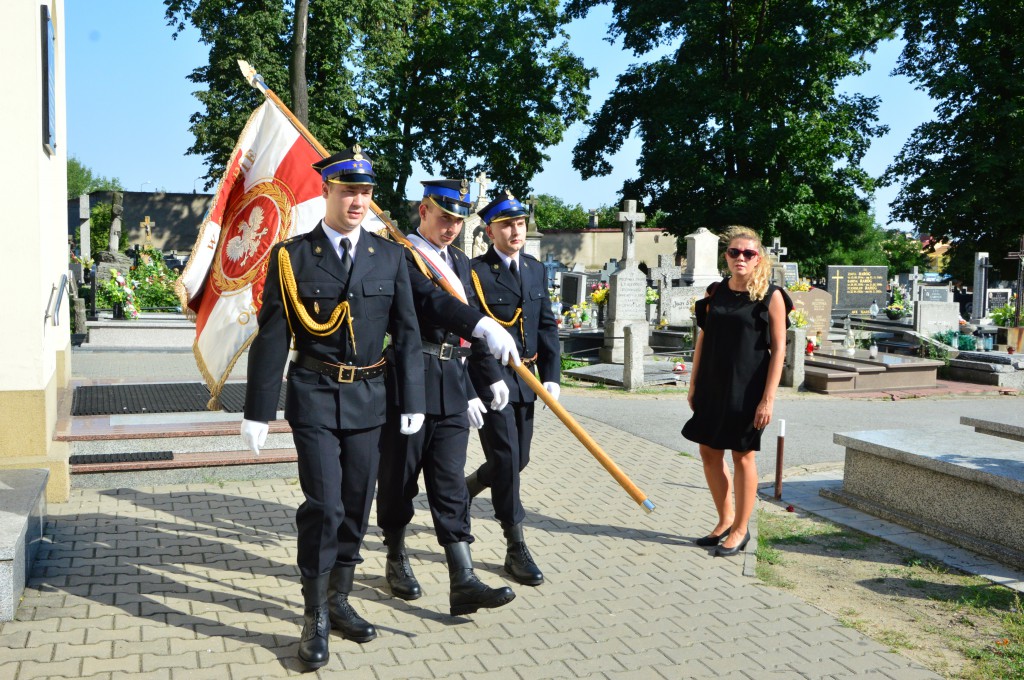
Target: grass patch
[[569, 363], [685, 454], [895, 640]]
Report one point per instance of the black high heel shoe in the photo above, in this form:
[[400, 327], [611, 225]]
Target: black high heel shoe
[[729, 552], [712, 540]]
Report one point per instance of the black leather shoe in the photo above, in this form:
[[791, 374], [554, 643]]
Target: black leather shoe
[[343, 617], [397, 570], [316, 627], [519, 562], [729, 552], [712, 540], [468, 593]]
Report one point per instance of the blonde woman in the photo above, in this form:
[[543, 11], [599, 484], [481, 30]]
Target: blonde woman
[[737, 363]]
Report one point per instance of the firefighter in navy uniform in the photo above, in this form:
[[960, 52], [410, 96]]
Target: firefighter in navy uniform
[[446, 325], [512, 287], [332, 294]]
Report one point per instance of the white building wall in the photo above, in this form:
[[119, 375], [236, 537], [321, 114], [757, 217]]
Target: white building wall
[[34, 231]]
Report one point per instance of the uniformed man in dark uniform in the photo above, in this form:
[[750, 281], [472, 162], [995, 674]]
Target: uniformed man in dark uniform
[[333, 293], [446, 324], [513, 291]]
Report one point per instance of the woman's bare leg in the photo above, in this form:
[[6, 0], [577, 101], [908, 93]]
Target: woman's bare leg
[[716, 472], [746, 494]]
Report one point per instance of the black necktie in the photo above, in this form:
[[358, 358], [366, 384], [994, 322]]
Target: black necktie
[[346, 259], [514, 268]]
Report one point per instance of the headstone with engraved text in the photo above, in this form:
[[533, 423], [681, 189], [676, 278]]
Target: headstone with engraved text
[[854, 288]]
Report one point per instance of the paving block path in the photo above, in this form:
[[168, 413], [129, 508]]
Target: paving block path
[[199, 581]]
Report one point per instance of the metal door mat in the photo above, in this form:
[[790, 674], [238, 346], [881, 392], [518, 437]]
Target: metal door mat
[[105, 400], [130, 457]]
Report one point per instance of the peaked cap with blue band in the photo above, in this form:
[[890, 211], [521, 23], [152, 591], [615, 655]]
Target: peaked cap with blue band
[[505, 207], [351, 166], [450, 195]]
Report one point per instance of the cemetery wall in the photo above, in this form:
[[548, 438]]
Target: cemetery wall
[[37, 350], [595, 247]]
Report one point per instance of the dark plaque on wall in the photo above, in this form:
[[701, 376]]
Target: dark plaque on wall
[[49, 72], [853, 289]]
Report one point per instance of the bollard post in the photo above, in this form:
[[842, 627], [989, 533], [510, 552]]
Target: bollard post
[[779, 446]]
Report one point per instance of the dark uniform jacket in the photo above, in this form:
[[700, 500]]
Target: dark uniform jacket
[[443, 319], [538, 334], [380, 296]]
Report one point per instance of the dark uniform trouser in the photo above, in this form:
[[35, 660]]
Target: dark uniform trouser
[[337, 471], [439, 451], [506, 437]]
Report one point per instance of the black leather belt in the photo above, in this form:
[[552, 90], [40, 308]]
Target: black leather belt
[[444, 351], [343, 374]]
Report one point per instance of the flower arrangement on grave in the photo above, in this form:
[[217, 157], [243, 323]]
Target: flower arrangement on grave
[[574, 316], [154, 281], [799, 286], [118, 291], [86, 263], [599, 293], [552, 294], [798, 319], [662, 323], [651, 296], [900, 305], [1003, 316]]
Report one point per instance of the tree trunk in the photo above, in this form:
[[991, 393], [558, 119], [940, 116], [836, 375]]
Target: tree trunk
[[297, 75]]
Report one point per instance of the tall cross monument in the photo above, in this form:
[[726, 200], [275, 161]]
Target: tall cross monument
[[629, 216], [627, 304]]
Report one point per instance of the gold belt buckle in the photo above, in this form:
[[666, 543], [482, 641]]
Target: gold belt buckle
[[351, 374]]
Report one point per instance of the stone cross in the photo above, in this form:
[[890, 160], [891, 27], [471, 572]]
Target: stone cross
[[915, 287], [777, 250], [531, 222], [630, 217], [148, 226], [483, 182], [117, 209]]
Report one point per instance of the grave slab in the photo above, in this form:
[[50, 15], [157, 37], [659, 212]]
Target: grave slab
[[654, 373], [1014, 431], [963, 487]]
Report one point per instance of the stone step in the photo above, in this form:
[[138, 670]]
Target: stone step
[[151, 333], [22, 517]]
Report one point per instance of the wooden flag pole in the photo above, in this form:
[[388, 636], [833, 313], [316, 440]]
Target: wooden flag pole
[[521, 370]]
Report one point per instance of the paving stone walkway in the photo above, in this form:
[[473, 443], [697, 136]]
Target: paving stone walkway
[[199, 581]]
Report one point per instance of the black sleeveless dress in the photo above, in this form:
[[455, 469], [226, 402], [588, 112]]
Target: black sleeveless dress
[[733, 368]]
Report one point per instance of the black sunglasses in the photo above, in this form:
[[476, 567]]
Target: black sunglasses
[[736, 252]]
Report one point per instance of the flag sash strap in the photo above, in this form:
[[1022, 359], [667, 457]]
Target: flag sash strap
[[428, 252]]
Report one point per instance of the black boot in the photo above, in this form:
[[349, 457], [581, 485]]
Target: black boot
[[397, 569], [468, 593], [316, 627], [343, 617], [519, 562], [474, 485]]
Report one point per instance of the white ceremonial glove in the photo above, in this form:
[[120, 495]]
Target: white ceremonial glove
[[499, 341], [254, 434], [499, 391], [476, 413], [411, 423], [553, 389]]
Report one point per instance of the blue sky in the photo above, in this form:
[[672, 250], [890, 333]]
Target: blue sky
[[128, 102]]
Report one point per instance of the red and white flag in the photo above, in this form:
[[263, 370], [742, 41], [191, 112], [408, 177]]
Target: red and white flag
[[269, 193]]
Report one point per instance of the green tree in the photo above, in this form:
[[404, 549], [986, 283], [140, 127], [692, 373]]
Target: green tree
[[741, 121], [554, 213], [962, 174], [454, 86], [81, 180]]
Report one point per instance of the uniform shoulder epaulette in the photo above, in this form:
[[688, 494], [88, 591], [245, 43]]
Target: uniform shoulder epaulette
[[452, 245], [293, 239], [528, 256]]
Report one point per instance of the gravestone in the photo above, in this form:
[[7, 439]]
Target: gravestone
[[935, 317], [84, 225], [981, 267], [677, 302], [472, 240], [609, 269], [574, 289], [666, 272], [785, 273], [997, 297], [533, 235], [117, 210], [633, 364], [935, 294], [701, 259], [854, 288], [817, 305], [627, 293]]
